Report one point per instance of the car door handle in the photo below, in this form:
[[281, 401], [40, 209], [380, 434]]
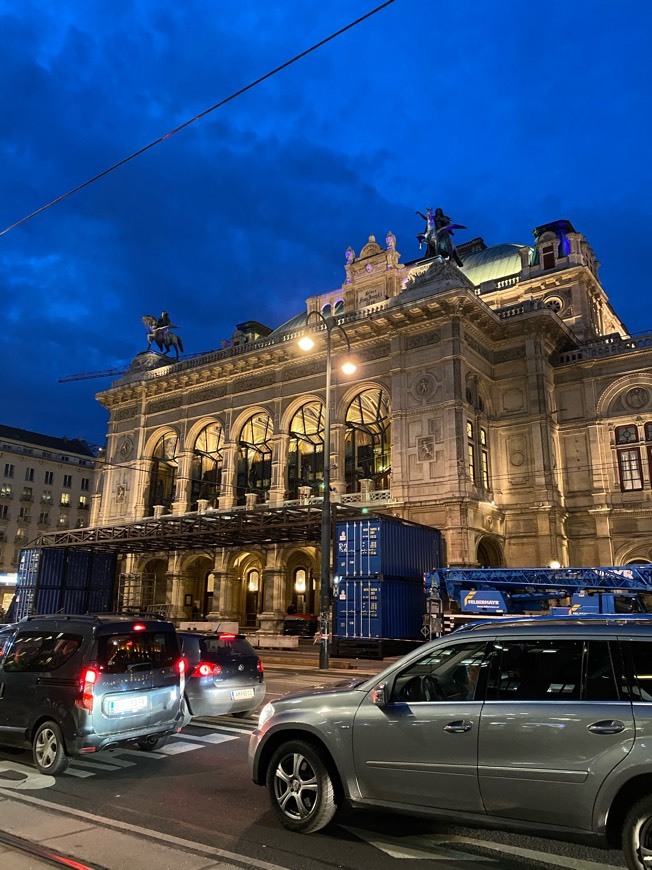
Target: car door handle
[[607, 726], [458, 727]]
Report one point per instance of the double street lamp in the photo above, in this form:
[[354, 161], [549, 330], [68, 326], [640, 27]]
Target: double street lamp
[[348, 367]]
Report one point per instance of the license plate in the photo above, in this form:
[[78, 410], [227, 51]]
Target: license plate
[[133, 704], [239, 694]]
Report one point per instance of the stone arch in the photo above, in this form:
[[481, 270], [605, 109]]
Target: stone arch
[[617, 388], [244, 416], [367, 420], [353, 390], [196, 569], [155, 437], [254, 455], [199, 425], [633, 552], [302, 558], [247, 568], [489, 552], [294, 406]]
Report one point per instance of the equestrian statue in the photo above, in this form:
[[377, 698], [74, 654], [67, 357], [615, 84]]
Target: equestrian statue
[[437, 236], [159, 331]]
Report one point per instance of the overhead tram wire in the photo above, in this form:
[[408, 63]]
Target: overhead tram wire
[[201, 115]]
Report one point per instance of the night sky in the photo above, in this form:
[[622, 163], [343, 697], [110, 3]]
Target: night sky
[[505, 114]]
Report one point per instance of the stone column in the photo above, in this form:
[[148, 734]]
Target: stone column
[[279, 444], [273, 613], [229, 471]]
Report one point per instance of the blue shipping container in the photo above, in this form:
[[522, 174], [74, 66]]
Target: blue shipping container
[[52, 579], [387, 607], [370, 547]]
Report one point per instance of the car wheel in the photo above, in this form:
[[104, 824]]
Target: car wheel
[[151, 743], [48, 749], [300, 787], [637, 835]]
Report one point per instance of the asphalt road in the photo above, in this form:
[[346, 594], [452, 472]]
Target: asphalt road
[[198, 788]]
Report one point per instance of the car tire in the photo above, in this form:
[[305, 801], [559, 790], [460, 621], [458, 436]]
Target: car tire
[[48, 749], [300, 787], [637, 834], [151, 743]]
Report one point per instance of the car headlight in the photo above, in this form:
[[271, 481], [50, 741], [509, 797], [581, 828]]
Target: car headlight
[[265, 714]]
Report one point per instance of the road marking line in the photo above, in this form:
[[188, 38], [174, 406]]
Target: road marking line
[[532, 854], [418, 847], [209, 738], [138, 753], [96, 765], [81, 774], [178, 747]]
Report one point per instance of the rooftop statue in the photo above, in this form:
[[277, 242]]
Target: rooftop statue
[[159, 331], [437, 236]]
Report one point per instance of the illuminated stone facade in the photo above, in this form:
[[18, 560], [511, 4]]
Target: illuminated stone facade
[[504, 403]]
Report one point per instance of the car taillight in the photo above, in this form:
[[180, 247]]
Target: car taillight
[[138, 626], [227, 637], [181, 666], [259, 667], [206, 669], [85, 699]]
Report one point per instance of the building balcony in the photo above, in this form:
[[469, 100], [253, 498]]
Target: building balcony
[[27, 498]]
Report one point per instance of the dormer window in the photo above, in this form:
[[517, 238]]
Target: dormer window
[[548, 256]]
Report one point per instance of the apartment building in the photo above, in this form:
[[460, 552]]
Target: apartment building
[[45, 485]]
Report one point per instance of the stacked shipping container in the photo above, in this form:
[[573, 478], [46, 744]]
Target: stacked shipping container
[[379, 598], [56, 580]]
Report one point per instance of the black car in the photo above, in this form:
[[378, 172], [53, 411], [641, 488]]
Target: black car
[[71, 685], [225, 675]]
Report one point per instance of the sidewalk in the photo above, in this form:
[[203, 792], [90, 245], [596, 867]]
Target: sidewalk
[[83, 841], [306, 657]]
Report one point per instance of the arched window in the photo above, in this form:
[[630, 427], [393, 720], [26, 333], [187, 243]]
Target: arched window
[[368, 441], [163, 474], [254, 457], [206, 475], [306, 449]]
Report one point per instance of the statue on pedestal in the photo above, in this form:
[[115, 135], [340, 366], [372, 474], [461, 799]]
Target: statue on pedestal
[[437, 235]]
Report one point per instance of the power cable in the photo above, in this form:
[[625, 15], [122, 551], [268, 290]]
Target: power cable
[[185, 124]]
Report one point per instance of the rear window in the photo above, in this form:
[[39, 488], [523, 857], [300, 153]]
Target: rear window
[[234, 646], [137, 651], [41, 651]]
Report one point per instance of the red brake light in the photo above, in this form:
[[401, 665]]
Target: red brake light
[[181, 666], [138, 626], [259, 666], [206, 669], [227, 637], [85, 698]]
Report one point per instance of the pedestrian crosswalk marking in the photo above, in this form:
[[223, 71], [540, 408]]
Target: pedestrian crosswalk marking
[[210, 738]]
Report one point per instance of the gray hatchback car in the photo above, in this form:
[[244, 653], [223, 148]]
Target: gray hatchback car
[[532, 723]]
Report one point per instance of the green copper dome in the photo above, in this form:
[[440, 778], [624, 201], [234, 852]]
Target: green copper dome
[[492, 264]]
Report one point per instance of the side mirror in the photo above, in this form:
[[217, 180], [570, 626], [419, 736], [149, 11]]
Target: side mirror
[[380, 695]]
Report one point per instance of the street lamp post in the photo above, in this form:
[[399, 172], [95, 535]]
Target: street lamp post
[[306, 343]]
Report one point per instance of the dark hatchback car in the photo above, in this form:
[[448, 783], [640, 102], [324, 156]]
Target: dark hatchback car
[[225, 675], [71, 685]]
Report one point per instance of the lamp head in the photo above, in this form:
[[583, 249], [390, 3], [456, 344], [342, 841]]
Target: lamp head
[[349, 367], [306, 343]]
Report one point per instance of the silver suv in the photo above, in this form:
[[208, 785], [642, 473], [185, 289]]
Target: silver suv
[[534, 724]]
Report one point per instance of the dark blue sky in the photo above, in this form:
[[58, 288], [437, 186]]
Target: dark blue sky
[[505, 114]]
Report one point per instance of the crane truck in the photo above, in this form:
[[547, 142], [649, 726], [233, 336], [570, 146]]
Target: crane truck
[[456, 596]]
